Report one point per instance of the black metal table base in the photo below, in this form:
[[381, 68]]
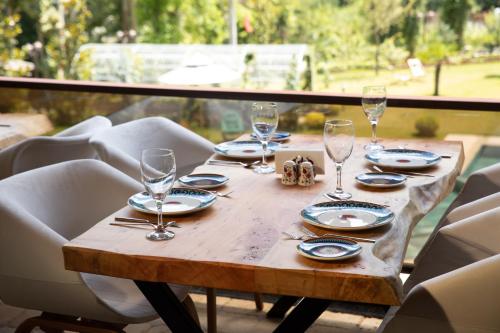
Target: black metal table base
[[168, 307], [282, 305], [303, 315]]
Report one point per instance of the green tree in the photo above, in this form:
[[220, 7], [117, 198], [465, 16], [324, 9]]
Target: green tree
[[455, 14], [435, 51], [411, 26], [380, 16], [63, 24], [10, 29]]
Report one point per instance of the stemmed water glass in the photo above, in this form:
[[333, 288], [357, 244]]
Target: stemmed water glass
[[374, 101], [264, 122], [339, 141], [158, 176]]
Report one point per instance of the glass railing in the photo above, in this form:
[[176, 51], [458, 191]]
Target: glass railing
[[224, 115]]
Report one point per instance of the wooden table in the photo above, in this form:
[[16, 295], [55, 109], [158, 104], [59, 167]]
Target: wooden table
[[238, 244]]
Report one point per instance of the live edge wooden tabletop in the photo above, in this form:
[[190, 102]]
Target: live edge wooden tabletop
[[238, 243]]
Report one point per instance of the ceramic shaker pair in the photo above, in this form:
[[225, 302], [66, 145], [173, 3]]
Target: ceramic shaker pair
[[299, 171]]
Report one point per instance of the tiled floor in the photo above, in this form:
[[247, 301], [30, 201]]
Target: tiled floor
[[234, 315]]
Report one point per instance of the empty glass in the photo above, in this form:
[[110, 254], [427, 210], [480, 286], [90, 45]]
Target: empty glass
[[374, 101], [158, 176], [264, 122], [339, 141]]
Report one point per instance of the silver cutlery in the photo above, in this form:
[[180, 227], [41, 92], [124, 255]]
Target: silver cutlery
[[376, 168], [335, 199], [406, 173], [442, 155], [233, 163], [132, 220], [305, 237], [361, 239]]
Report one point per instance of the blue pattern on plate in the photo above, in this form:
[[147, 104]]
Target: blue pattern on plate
[[206, 198], [204, 179], [389, 158], [311, 213], [328, 248], [381, 179]]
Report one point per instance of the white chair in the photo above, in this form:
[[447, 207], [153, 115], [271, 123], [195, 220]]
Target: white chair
[[121, 146], [465, 300], [41, 210], [35, 152], [445, 292], [480, 184]]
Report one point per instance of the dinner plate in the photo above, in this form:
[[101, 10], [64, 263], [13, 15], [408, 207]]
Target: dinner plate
[[245, 149], [381, 179], [180, 201], [403, 158], [277, 136], [328, 248], [347, 215], [204, 180]]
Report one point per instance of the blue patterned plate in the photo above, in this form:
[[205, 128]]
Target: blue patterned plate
[[328, 248], [245, 149], [180, 201], [381, 179], [347, 215], [403, 158], [204, 180], [277, 136]]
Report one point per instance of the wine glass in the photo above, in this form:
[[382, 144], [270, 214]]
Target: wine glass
[[158, 176], [264, 122], [339, 141], [374, 101]]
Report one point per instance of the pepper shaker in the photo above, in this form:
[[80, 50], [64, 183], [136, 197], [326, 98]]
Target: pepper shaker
[[306, 174]]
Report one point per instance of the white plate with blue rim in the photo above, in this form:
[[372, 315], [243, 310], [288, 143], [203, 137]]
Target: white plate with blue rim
[[180, 201], [403, 158], [204, 180], [381, 179], [329, 248], [347, 215], [245, 149], [277, 136]]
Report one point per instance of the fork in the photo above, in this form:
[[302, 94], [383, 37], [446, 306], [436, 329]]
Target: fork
[[310, 234], [233, 163]]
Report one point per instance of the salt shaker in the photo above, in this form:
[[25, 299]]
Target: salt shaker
[[306, 174], [289, 173]]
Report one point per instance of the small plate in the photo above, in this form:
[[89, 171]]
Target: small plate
[[403, 158], [277, 136], [204, 180], [381, 179], [245, 149], [347, 215], [328, 248], [180, 201]]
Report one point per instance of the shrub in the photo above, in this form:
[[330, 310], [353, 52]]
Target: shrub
[[426, 127], [314, 120]]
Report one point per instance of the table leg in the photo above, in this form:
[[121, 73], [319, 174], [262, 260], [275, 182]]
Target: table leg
[[168, 307], [303, 315], [282, 305]]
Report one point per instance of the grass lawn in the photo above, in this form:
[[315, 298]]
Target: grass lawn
[[466, 80]]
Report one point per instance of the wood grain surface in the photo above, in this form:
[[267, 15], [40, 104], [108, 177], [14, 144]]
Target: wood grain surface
[[238, 243]]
